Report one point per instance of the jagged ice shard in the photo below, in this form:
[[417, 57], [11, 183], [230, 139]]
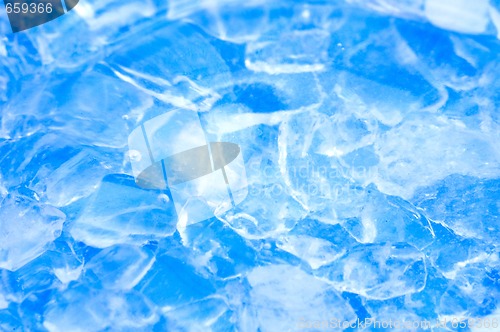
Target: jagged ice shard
[[254, 165]]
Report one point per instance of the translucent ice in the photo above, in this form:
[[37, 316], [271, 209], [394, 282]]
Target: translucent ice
[[301, 51], [450, 252], [121, 212], [121, 267], [471, 292], [171, 282], [181, 71], [378, 271], [58, 265], [293, 302], [102, 310], [210, 313], [26, 228], [368, 131], [468, 205], [400, 152], [316, 252]]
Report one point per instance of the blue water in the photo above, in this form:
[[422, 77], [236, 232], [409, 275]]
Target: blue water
[[369, 132]]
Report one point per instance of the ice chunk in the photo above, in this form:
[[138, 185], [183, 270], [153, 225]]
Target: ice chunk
[[203, 178], [381, 271], [272, 218], [467, 205], [113, 115], [174, 64], [81, 36], [171, 282], [450, 252], [213, 249], [121, 266], [207, 314], [403, 318], [458, 15], [283, 297], [84, 309], [415, 154], [233, 21], [401, 8], [241, 23], [467, 291], [294, 52], [313, 180], [316, 252], [472, 293], [380, 60], [10, 321], [75, 112], [26, 228], [276, 213], [9, 289], [55, 268], [76, 175], [389, 219], [121, 212], [3, 302], [55, 167], [67, 267], [335, 234], [112, 14]]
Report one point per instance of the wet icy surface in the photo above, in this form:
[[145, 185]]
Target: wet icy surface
[[370, 133]]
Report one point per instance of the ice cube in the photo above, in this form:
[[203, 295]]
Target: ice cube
[[415, 154], [295, 52], [471, 292], [210, 313], [283, 297], [389, 219], [26, 228], [467, 205], [121, 212], [83, 309], [171, 282], [380, 271], [316, 252], [450, 252], [121, 266]]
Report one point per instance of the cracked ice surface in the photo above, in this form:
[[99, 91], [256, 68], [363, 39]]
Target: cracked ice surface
[[369, 132]]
